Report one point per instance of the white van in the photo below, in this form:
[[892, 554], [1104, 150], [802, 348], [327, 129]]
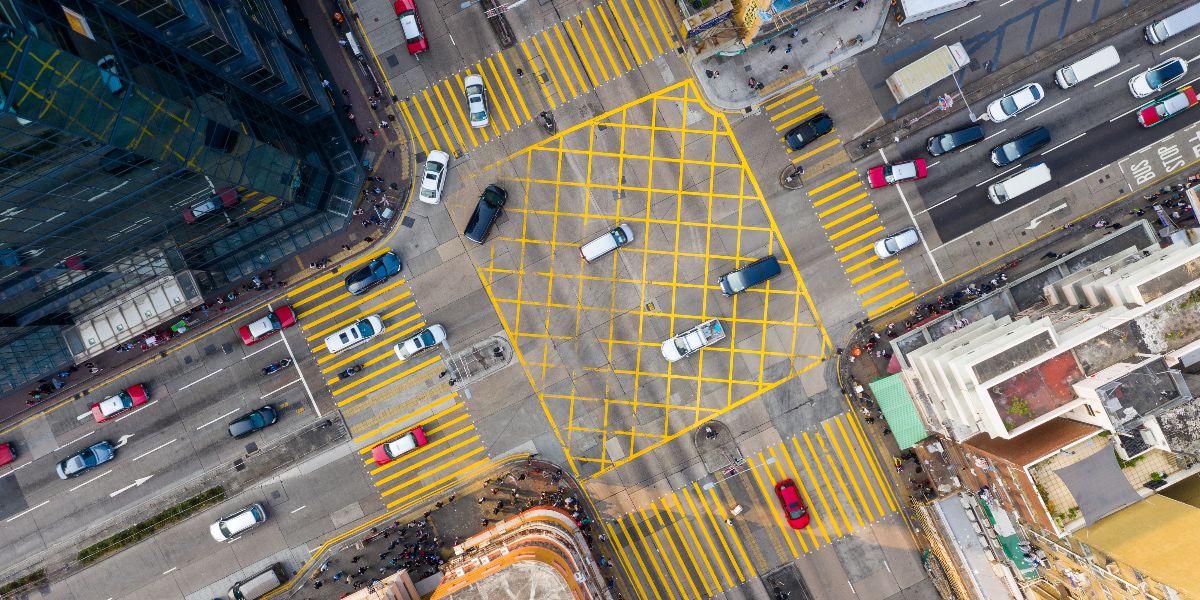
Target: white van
[[1157, 32], [1029, 178], [258, 586], [1087, 67], [611, 240], [359, 332]]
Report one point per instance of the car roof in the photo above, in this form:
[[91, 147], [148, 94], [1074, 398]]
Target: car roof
[[241, 521]]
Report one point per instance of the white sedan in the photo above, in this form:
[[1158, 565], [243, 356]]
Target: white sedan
[[434, 177], [425, 339], [1004, 107], [477, 112]]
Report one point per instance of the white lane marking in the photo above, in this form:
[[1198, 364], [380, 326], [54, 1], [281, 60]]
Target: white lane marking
[[976, 18], [1104, 81], [232, 540], [995, 134], [74, 440], [278, 341], [130, 413], [1063, 144], [1187, 41], [929, 166], [938, 204], [217, 419], [1126, 114], [278, 389], [304, 381], [997, 175], [148, 452], [83, 416], [13, 471], [25, 512], [90, 480], [171, 570], [201, 379], [1051, 107], [913, 217], [1006, 2], [299, 509]]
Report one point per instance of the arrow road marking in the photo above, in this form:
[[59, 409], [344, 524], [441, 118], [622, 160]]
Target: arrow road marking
[[1038, 219], [121, 440], [136, 482]]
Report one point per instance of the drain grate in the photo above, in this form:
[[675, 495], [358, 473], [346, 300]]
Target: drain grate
[[239, 465], [408, 222]]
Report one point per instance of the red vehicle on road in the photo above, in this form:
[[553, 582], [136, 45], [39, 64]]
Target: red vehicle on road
[[793, 503], [126, 400], [885, 175], [410, 22], [280, 318]]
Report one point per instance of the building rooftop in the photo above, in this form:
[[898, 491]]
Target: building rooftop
[[1156, 536], [522, 580], [1035, 444], [1036, 391]]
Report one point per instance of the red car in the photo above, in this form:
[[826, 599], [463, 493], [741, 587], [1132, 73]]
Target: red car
[[793, 503], [281, 318], [884, 175], [410, 22], [387, 452], [125, 401], [7, 454], [211, 206], [1167, 106]]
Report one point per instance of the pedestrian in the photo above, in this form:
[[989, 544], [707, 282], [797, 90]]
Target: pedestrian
[[384, 124], [373, 132], [1114, 226], [391, 152], [354, 559], [325, 84], [771, 49], [346, 92], [350, 116], [716, 74], [788, 50], [374, 104], [784, 68], [760, 86], [343, 43], [796, 32], [752, 82], [1068, 226], [1101, 224], [520, 72], [481, 499], [708, 73]]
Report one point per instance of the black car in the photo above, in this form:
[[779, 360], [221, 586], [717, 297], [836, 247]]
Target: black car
[[1023, 145], [804, 133], [491, 204], [374, 273], [959, 139], [252, 421]]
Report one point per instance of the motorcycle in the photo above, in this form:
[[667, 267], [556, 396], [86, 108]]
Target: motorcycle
[[350, 371], [547, 121], [276, 366]]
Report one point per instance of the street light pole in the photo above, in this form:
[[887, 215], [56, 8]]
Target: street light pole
[[962, 95]]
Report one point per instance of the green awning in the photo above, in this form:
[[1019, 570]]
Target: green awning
[[898, 410]]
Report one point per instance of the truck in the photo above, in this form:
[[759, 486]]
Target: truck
[[692, 340], [909, 11], [927, 70]]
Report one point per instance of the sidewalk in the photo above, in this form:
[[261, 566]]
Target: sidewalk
[[351, 241], [818, 46]]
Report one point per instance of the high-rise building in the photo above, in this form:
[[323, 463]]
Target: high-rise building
[[151, 150]]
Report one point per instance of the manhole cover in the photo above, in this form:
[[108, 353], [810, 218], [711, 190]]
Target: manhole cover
[[227, 348], [407, 222], [239, 464], [392, 60], [251, 448], [275, 495], [187, 360], [803, 41], [209, 350]]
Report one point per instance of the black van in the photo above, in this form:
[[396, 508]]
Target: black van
[[1023, 145], [736, 282], [959, 139], [491, 204]]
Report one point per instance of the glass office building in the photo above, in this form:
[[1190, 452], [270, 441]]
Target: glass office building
[[150, 151]]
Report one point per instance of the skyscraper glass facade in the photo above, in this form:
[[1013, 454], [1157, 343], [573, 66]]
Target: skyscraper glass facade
[[143, 140]]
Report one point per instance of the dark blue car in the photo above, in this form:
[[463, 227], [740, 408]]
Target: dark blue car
[[373, 273]]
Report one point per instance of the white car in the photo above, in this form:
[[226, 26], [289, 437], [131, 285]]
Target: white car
[[1004, 107], [230, 527], [477, 112], [425, 339], [357, 333], [1157, 77], [435, 177], [893, 244]]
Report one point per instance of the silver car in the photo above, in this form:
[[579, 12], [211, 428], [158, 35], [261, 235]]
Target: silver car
[[434, 177], [893, 244], [86, 459], [477, 112]]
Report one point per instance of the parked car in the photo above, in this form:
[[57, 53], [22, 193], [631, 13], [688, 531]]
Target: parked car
[[425, 339], [125, 400], [255, 420], [373, 273], [434, 177], [234, 525], [354, 334], [487, 210], [793, 504], [1016, 101], [1167, 106], [86, 459], [410, 24], [808, 131], [885, 175], [477, 111], [280, 318], [387, 452], [1019, 147], [1158, 77], [893, 244], [211, 206], [950, 141], [7, 453]]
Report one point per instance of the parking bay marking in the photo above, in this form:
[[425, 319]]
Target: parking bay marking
[[217, 419]]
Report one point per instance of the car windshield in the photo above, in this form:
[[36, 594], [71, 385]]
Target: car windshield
[[362, 274], [619, 236], [492, 200], [257, 420], [795, 510], [274, 320], [426, 338], [1158, 77], [364, 328], [433, 168], [1008, 105], [890, 245], [87, 458]]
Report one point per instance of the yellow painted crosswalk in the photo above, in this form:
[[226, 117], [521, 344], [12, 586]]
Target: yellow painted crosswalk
[[709, 537], [542, 72]]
